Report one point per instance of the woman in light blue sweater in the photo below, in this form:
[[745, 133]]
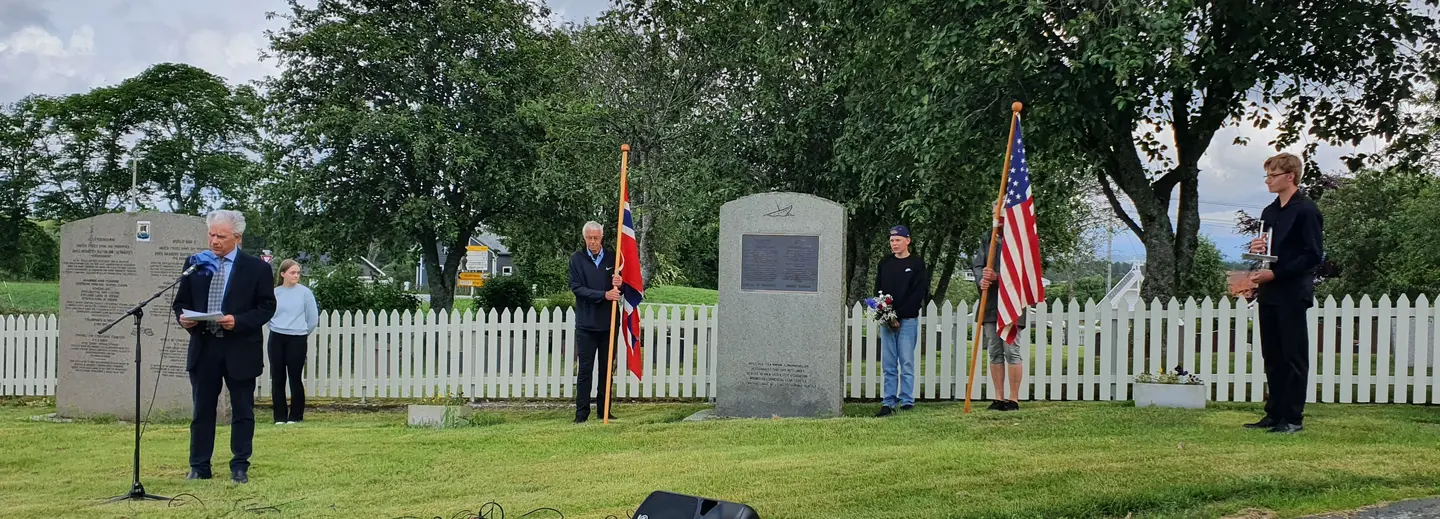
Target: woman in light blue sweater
[[296, 315]]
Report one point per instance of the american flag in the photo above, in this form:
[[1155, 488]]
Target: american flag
[[1020, 284], [632, 288]]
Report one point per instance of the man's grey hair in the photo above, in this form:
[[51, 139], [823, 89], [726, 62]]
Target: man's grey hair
[[234, 219], [592, 226]]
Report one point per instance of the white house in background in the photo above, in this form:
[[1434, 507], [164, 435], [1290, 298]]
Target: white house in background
[[1128, 289], [485, 257]]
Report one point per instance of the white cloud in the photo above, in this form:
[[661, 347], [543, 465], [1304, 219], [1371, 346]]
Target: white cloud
[[33, 40], [82, 40]]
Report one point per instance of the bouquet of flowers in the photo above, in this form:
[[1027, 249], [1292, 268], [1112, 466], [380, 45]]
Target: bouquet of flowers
[[883, 307]]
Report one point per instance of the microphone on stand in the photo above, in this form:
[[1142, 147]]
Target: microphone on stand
[[206, 260], [203, 259]]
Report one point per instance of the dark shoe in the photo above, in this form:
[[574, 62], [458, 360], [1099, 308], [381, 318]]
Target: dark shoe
[[239, 476], [196, 475], [612, 417], [1264, 423], [581, 419], [997, 405], [1287, 428], [885, 410], [1011, 405], [907, 407]]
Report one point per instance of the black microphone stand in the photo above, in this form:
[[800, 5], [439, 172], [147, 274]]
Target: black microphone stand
[[137, 490]]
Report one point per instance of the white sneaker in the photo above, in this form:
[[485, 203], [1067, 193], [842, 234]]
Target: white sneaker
[[292, 422], [281, 423]]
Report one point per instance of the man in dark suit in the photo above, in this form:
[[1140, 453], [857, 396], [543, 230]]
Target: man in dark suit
[[227, 350], [1286, 293], [596, 286]]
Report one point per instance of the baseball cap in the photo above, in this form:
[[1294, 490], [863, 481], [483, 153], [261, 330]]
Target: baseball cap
[[900, 230]]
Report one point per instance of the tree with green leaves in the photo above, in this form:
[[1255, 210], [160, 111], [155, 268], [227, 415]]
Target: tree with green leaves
[[24, 163], [196, 136], [88, 134], [1120, 75], [1382, 231], [406, 119], [844, 100], [181, 135]]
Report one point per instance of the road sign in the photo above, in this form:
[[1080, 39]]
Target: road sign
[[472, 276], [470, 283], [477, 248], [265, 255]]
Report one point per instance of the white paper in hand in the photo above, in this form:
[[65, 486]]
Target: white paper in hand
[[200, 316]]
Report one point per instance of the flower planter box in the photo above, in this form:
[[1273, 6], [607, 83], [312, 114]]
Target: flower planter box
[[438, 415], [1185, 396]]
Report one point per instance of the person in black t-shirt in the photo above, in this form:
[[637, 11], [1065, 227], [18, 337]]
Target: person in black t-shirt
[[903, 276], [1285, 291]]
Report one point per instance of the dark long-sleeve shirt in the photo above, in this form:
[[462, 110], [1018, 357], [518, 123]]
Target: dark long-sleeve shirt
[[906, 280], [1298, 245], [589, 282], [977, 266]]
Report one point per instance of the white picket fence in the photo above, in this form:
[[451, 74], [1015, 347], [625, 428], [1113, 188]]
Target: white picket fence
[[1365, 351]]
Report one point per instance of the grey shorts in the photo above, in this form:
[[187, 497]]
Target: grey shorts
[[1000, 353]]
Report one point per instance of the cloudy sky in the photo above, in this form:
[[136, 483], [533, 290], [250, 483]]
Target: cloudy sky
[[61, 47]]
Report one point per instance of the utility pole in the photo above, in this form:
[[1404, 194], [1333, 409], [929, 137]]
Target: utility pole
[[134, 205], [1109, 254]]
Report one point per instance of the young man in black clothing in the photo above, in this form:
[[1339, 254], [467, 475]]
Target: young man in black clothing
[[903, 276], [596, 286], [1285, 291]]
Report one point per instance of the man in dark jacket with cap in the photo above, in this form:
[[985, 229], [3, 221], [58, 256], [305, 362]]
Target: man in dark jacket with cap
[[903, 277]]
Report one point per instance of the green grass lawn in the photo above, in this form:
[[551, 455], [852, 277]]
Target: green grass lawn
[[1048, 460], [23, 297], [668, 295]]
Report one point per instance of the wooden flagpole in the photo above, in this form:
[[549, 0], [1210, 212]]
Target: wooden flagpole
[[615, 305], [996, 221]]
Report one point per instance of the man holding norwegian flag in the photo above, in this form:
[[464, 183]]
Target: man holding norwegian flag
[[596, 287], [602, 278]]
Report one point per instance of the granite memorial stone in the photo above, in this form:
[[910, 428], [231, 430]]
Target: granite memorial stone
[[109, 263], [781, 308]]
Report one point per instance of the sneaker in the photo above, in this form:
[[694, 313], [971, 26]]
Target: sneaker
[[885, 410], [292, 422], [997, 405], [279, 423], [1012, 405], [907, 407], [1287, 428]]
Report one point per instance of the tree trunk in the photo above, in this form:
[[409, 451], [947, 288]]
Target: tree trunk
[[952, 257], [1187, 232], [442, 288], [1159, 241], [442, 278], [643, 224], [857, 285]]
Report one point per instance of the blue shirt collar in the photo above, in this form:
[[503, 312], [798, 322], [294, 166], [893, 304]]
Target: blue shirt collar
[[231, 256]]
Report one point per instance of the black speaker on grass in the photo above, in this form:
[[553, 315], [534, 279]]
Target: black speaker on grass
[[666, 505]]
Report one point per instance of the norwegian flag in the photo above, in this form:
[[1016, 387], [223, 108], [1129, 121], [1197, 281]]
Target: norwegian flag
[[1020, 284], [632, 289]]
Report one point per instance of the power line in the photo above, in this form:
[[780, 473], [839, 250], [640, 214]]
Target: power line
[[1232, 204]]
